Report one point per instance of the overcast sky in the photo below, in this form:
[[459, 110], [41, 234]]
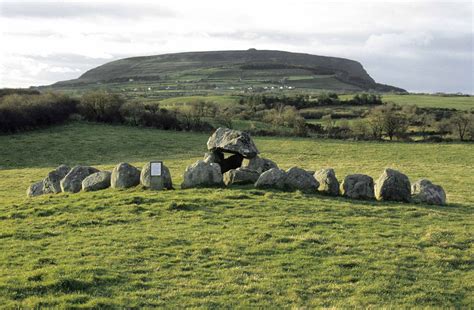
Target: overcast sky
[[417, 45]]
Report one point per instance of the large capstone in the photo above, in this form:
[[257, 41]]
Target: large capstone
[[358, 186], [328, 183], [259, 164], [51, 184], [35, 189], [202, 174], [97, 181], [393, 185], [125, 175], [424, 191], [152, 182], [240, 176], [72, 182], [300, 179], [232, 141], [273, 178]]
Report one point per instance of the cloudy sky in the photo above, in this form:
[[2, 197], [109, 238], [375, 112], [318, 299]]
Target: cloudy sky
[[419, 45]]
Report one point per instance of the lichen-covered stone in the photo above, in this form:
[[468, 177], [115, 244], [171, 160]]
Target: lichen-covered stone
[[358, 186], [97, 181], [328, 182], [125, 175], [393, 185], [424, 191], [202, 174]]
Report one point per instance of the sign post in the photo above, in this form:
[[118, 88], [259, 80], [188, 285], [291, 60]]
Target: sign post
[[156, 175]]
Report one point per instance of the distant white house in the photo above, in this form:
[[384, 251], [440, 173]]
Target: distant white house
[[130, 80]]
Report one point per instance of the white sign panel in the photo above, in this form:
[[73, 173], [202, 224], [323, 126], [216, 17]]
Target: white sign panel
[[155, 169]]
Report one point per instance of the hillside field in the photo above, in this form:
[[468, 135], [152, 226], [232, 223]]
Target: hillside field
[[236, 247]]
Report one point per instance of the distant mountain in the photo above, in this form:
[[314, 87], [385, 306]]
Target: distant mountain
[[229, 69]]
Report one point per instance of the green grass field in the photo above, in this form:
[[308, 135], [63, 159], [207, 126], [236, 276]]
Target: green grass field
[[428, 101], [237, 247]]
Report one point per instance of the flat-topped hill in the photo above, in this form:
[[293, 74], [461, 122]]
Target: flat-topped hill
[[230, 69]]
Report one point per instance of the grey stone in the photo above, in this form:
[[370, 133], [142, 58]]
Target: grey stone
[[125, 175], [299, 179], [35, 189], [232, 141], [146, 180], [201, 174], [240, 176], [51, 184], [358, 186], [273, 178], [393, 185], [214, 157], [259, 164], [328, 182], [97, 181], [72, 182], [424, 191]]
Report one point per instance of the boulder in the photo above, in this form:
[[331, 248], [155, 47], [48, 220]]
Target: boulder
[[97, 181], [259, 164], [232, 141], [72, 182], [145, 178], [124, 175], [358, 186], [424, 191], [240, 176], [201, 174], [51, 184], [273, 178], [328, 182], [299, 179], [35, 189], [393, 185]]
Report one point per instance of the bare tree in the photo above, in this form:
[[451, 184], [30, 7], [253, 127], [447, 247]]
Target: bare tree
[[394, 124], [375, 121], [461, 122]]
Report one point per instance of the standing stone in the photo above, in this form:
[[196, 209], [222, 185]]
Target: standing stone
[[259, 164], [424, 191], [299, 179], [201, 174], [232, 141], [328, 182], [145, 177], [358, 186], [214, 157], [35, 189], [124, 175], [393, 185], [97, 181], [51, 184], [273, 178], [72, 182], [240, 176]]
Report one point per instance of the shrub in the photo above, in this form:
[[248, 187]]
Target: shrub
[[24, 112], [100, 106]]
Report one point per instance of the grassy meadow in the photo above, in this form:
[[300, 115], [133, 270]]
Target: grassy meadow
[[428, 101], [236, 247]]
